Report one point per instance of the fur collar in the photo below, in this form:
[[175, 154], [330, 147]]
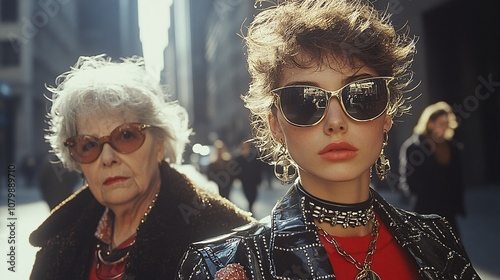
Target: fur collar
[[182, 214]]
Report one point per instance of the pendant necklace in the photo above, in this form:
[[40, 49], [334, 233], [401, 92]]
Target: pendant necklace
[[112, 264], [365, 271]]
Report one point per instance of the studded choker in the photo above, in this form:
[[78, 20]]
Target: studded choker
[[347, 215]]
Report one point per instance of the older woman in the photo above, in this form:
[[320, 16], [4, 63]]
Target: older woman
[[137, 214]]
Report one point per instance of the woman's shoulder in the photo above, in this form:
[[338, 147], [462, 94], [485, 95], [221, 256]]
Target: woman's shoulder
[[80, 206], [199, 207], [430, 228], [415, 222], [254, 230], [407, 224], [430, 239], [420, 221], [240, 246], [242, 239]]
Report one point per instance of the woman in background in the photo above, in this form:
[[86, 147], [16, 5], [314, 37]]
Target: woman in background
[[219, 169], [430, 165]]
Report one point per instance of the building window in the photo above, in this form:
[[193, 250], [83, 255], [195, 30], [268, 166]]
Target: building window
[[8, 10], [8, 55]]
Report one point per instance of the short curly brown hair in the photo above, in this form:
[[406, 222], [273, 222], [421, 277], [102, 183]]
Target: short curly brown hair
[[349, 31]]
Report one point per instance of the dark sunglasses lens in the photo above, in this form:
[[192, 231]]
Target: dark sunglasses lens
[[365, 99], [127, 138], [85, 148], [302, 105]]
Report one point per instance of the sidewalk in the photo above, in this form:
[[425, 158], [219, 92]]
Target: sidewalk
[[479, 229], [29, 212]]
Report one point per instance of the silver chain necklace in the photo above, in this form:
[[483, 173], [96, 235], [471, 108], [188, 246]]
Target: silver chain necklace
[[364, 268]]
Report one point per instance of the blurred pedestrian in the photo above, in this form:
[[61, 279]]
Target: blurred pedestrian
[[328, 77], [430, 168], [267, 175], [137, 214], [28, 169], [56, 183], [249, 172], [220, 169]]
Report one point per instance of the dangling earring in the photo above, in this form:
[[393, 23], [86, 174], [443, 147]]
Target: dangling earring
[[284, 163], [382, 165]]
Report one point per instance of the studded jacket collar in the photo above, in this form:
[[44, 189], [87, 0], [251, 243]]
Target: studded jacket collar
[[286, 245]]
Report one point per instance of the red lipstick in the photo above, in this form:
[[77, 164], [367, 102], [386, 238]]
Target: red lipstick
[[113, 180], [338, 151]]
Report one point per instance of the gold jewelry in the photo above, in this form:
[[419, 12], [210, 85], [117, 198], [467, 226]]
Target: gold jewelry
[[382, 165], [118, 256], [284, 163], [365, 271]]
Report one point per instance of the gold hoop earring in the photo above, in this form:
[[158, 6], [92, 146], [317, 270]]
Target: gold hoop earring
[[282, 166], [382, 165]]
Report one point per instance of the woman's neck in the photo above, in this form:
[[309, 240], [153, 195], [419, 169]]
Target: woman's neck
[[346, 192], [127, 218]]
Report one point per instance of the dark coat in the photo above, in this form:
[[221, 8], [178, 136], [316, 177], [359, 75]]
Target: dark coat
[[182, 214], [56, 183], [288, 246], [438, 189]]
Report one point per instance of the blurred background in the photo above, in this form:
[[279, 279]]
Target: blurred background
[[195, 47]]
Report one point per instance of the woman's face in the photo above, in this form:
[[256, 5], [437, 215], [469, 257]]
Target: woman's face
[[117, 179], [438, 127], [338, 149]]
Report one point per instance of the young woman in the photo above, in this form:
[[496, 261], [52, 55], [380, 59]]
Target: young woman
[[328, 78]]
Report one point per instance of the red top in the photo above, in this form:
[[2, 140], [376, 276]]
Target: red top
[[108, 271], [104, 232], [389, 259]]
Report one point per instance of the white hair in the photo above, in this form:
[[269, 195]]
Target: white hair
[[96, 85]]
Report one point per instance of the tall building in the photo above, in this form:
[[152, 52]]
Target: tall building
[[206, 35], [226, 72], [38, 41]]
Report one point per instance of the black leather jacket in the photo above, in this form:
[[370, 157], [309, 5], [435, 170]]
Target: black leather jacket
[[287, 245]]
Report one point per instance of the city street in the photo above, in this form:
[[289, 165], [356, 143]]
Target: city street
[[225, 63], [479, 229]]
